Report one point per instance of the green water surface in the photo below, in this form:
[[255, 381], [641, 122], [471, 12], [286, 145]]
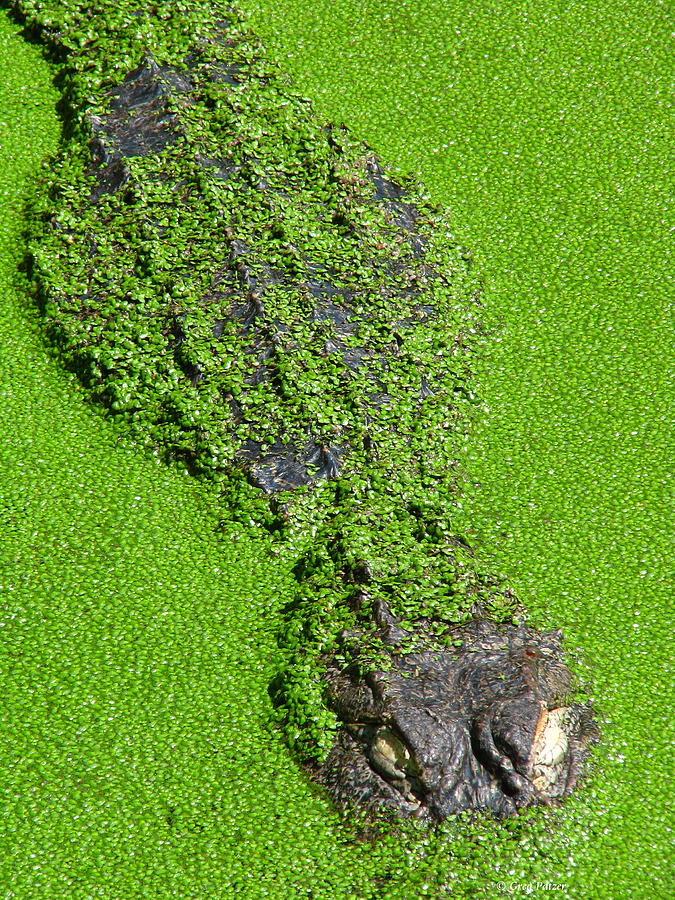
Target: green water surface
[[547, 130], [137, 643]]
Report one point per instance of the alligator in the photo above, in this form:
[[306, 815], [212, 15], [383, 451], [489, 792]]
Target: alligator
[[255, 295]]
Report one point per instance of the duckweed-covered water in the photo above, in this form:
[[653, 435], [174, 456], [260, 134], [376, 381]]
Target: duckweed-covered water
[[138, 642], [545, 128]]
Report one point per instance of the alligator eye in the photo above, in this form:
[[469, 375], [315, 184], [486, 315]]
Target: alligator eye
[[389, 755]]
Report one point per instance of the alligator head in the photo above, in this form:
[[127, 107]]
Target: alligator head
[[483, 724]]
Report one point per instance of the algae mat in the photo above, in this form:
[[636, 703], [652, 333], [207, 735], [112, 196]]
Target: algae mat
[[138, 646]]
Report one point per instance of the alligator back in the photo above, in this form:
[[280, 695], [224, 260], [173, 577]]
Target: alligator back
[[249, 288]]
